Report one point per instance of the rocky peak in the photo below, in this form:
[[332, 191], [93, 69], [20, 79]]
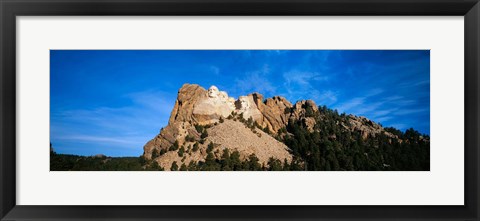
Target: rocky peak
[[305, 111], [274, 114], [303, 108], [196, 106], [257, 98], [188, 96]]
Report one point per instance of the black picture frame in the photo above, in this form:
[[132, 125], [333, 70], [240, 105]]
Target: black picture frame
[[9, 210]]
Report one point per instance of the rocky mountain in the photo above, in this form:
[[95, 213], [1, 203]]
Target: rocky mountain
[[205, 125], [221, 117]]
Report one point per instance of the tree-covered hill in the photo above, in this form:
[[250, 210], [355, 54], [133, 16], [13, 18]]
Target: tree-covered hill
[[333, 146]]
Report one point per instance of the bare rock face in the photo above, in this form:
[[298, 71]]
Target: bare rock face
[[247, 106], [215, 105], [176, 131], [188, 96], [235, 136], [197, 106], [276, 112], [366, 127]]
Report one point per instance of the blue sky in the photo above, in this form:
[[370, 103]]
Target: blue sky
[[114, 101]]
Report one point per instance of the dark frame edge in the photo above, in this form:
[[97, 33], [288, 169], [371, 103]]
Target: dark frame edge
[[472, 107], [10, 211], [7, 110]]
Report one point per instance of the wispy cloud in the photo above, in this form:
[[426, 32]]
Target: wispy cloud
[[102, 139], [325, 97], [302, 78], [129, 126], [158, 101], [411, 111], [355, 102], [359, 104], [300, 85], [382, 110], [256, 81], [383, 119]]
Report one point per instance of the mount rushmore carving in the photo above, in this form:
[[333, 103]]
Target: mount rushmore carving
[[217, 104], [196, 106], [213, 109]]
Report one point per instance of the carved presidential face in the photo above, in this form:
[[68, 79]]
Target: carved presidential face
[[231, 102], [244, 103], [223, 95], [213, 92]]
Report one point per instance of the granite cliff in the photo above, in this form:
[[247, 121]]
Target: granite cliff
[[204, 121]]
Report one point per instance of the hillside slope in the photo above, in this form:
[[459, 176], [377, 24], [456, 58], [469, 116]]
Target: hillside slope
[[207, 126]]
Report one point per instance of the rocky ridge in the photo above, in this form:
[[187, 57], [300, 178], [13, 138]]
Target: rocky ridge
[[214, 109]]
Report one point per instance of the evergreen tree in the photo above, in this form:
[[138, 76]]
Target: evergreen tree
[[174, 166], [210, 147], [183, 167], [195, 147], [274, 164], [181, 151], [204, 134], [252, 163]]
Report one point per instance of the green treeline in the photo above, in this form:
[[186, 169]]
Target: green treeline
[[333, 147], [66, 162]]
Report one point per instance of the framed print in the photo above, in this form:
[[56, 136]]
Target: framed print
[[265, 110]]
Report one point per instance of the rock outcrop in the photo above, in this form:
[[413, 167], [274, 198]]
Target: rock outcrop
[[188, 96], [215, 109], [275, 111], [305, 111], [366, 127], [210, 108], [234, 136], [197, 106]]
